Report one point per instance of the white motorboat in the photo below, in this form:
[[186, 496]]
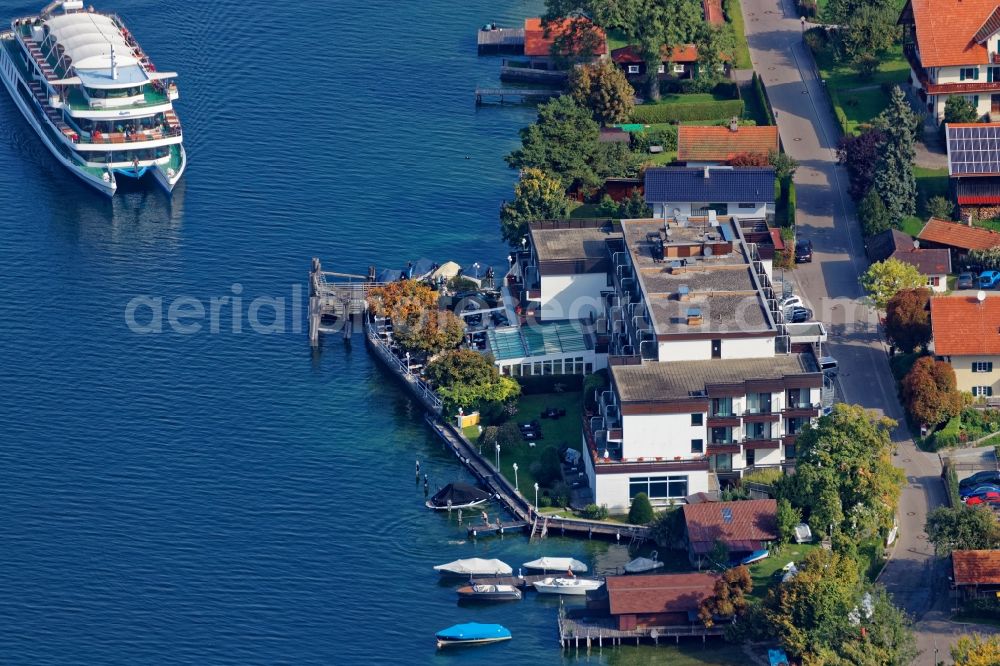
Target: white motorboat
[[572, 586], [642, 565], [556, 564], [475, 566]]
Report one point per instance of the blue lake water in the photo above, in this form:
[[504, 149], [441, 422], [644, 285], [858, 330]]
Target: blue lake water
[[231, 497]]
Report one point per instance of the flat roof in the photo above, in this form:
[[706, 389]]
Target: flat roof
[[681, 379], [570, 244], [536, 340], [714, 278]]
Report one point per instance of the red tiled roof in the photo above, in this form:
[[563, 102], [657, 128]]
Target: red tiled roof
[[975, 567], [962, 326], [713, 12], [927, 261], [720, 144], [751, 522], [665, 593], [537, 44], [628, 55], [960, 236], [946, 30]]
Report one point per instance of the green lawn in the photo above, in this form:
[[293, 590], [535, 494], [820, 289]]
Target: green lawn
[[930, 183], [763, 572], [585, 211], [735, 13], [660, 159]]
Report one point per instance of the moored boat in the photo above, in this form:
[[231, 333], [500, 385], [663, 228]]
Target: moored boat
[[642, 565], [457, 495], [93, 96], [571, 586], [483, 592], [474, 566], [556, 564], [472, 633]]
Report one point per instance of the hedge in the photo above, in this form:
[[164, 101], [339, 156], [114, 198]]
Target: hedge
[[790, 189], [677, 112], [547, 383], [761, 94], [661, 136]]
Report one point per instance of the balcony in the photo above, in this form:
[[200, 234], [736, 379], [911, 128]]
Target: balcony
[[722, 448], [754, 443], [724, 421], [757, 416], [801, 410]]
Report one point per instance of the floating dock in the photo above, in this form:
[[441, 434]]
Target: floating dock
[[514, 95], [500, 41]]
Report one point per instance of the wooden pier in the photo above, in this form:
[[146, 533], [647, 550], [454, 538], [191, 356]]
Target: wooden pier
[[339, 298], [601, 632], [523, 582], [514, 95], [493, 529], [500, 41]]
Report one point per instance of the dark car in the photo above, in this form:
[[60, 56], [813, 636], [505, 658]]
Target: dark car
[[798, 315], [803, 252], [980, 479], [966, 281]]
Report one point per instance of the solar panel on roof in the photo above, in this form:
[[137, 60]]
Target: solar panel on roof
[[974, 150]]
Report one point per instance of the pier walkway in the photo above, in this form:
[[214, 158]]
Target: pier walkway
[[594, 632], [500, 40], [498, 95]]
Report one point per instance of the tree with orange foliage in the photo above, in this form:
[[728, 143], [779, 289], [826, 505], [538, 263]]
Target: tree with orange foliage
[[930, 392], [418, 324], [729, 599]]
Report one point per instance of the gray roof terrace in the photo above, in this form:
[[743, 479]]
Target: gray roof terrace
[[571, 244]]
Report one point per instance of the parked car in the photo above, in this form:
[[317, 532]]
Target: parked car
[[978, 490], [803, 252], [986, 498], [790, 302], [965, 281], [985, 477], [989, 279], [798, 314]]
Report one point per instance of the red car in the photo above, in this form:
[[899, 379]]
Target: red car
[[990, 497]]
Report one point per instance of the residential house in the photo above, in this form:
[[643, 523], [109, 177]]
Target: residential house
[[952, 48], [681, 62], [699, 145], [684, 191], [966, 334], [974, 168], [933, 263], [580, 41], [960, 238], [743, 527], [637, 602], [976, 574], [705, 383]]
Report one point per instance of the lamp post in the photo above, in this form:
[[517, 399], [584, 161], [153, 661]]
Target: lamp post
[[515, 478], [407, 362], [498, 456], [476, 266], [803, 25], [536, 497]]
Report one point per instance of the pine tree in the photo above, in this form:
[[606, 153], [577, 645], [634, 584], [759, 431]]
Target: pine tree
[[894, 180]]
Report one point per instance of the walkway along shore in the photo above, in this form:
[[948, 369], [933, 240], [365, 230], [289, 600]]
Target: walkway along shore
[[487, 475]]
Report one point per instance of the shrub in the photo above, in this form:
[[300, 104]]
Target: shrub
[[459, 283], [678, 111], [951, 484], [661, 136], [790, 189], [767, 476], [641, 511], [940, 207], [560, 493], [595, 512]]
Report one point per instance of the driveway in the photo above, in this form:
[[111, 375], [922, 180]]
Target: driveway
[[826, 215]]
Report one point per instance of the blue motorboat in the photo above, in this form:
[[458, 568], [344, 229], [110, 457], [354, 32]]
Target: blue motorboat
[[472, 633], [755, 556]]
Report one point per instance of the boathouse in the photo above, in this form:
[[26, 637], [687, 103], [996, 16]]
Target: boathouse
[[743, 527], [635, 602]]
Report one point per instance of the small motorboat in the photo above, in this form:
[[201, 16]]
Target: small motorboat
[[642, 565], [573, 586], [457, 495], [556, 564], [472, 633], [755, 556], [484, 592], [475, 566]]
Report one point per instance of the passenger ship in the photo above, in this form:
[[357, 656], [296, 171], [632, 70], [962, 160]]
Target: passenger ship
[[92, 95]]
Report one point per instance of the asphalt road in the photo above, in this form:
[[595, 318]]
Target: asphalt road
[[826, 215]]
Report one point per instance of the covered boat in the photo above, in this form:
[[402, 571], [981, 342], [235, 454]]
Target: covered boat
[[642, 565], [755, 556], [556, 564], [472, 633], [572, 586], [489, 592], [474, 566], [457, 495]]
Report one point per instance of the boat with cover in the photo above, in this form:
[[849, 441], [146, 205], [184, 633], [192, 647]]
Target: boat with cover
[[472, 633], [457, 495], [556, 564], [489, 592], [474, 566], [572, 586], [93, 96], [755, 556], [642, 565]]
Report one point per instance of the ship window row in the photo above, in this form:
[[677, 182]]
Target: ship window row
[[129, 155]]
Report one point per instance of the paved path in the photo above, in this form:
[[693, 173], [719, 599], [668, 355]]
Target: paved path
[[826, 215]]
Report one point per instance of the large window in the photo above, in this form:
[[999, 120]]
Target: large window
[[658, 487], [982, 366], [722, 406]]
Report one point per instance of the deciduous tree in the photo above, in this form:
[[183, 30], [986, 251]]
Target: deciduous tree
[[604, 89], [431, 331], [859, 155], [635, 207], [976, 650], [401, 299], [562, 143], [716, 46], [940, 207], [873, 215], [870, 31], [908, 319], [729, 596], [894, 179], [930, 392], [958, 109], [788, 518], [962, 528], [783, 163], [885, 279], [537, 196], [465, 378]]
